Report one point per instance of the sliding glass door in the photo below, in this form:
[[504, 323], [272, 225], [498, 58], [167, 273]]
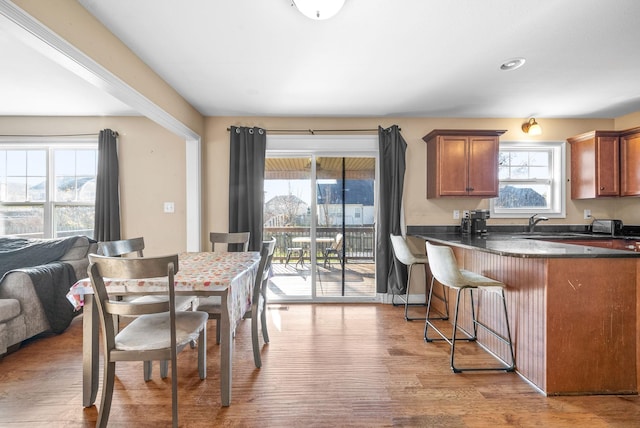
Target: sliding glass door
[[321, 208]]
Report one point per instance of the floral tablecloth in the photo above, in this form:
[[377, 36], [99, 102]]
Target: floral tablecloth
[[208, 272]]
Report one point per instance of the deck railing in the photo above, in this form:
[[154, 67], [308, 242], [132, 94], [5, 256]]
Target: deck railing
[[359, 241]]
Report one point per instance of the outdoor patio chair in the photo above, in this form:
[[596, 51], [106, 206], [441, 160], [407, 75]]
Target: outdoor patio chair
[[298, 252], [335, 250]]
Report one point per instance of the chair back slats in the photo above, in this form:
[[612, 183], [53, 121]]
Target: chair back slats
[[118, 307], [230, 238], [126, 268], [121, 247], [271, 246], [266, 253]]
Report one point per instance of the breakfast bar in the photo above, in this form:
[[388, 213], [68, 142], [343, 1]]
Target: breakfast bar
[[572, 304]]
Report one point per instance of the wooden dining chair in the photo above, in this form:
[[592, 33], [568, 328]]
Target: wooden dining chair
[[135, 246], [212, 304], [158, 332], [258, 302]]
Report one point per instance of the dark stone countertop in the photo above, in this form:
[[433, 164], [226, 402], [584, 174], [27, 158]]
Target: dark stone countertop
[[524, 245]]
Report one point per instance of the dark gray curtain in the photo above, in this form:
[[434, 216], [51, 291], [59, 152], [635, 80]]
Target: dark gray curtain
[[246, 183], [391, 275], [107, 224]]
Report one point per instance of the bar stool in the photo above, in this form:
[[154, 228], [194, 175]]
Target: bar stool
[[444, 269], [407, 258]]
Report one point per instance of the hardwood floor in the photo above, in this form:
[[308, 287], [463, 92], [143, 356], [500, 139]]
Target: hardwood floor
[[326, 365]]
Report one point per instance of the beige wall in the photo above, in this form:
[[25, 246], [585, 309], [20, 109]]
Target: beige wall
[[629, 121], [418, 209], [152, 171]]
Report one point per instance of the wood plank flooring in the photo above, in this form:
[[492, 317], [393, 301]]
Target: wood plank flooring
[[326, 366]]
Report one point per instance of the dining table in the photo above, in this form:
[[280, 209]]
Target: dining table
[[229, 275]]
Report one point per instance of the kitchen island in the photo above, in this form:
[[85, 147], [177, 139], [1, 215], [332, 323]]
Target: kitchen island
[[573, 308]]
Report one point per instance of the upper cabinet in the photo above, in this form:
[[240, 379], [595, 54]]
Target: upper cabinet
[[462, 162], [595, 164], [630, 162], [605, 164]]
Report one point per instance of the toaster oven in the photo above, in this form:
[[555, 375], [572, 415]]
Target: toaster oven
[[606, 227]]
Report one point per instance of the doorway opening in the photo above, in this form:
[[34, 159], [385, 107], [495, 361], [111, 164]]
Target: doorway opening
[[320, 205]]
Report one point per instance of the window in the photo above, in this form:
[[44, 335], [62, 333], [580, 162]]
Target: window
[[531, 180], [47, 189]]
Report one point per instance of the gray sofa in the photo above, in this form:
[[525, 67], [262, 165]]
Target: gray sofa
[[22, 314]]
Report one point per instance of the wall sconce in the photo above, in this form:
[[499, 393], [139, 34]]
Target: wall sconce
[[319, 9], [532, 127]]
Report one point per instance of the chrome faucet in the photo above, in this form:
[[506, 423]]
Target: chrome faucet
[[533, 221]]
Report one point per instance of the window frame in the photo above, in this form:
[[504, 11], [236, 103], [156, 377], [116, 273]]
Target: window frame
[[49, 144], [557, 209]]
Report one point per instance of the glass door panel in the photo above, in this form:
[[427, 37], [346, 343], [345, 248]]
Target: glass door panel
[[344, 227], [321, 210], [287, 217]]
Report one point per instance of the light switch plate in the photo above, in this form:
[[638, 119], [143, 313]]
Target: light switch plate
[[169, 207]]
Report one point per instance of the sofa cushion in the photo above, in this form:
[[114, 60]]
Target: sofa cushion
[[9, 308]]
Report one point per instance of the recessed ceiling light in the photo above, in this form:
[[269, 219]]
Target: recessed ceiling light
[[512, 64]]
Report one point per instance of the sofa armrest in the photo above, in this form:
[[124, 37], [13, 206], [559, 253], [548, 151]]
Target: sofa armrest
[[78, 250]]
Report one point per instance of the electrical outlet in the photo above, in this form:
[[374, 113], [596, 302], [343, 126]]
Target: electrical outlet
[[465, 213], [169, 207], [587, 214], [456, 214]]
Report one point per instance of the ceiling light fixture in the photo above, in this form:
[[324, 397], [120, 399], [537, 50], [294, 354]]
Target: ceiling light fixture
[[532, 127], [512, 64], [318, 9]]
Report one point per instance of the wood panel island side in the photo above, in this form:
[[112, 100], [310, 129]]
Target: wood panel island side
[[573, 310]]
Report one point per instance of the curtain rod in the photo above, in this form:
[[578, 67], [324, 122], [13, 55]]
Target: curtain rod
[[54, 135], [313, 131]]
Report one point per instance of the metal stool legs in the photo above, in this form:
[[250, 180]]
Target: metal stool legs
[[471, 336], [405, 298]]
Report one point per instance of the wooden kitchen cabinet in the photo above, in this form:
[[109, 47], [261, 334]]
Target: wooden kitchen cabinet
[[605, 163], [595, 164], [462, 162], [630, 162]]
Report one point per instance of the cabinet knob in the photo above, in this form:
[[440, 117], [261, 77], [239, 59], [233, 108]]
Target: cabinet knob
[[602, 188]]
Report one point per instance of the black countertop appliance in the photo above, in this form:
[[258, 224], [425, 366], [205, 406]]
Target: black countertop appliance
[[479, 221]]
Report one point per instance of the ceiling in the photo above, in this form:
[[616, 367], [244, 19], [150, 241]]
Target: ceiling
[[408, 58]]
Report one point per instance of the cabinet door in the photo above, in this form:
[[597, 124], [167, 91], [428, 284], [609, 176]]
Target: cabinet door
[[608, 166], [595, 170], [483, 166], [583, 164], [452, 168], [630, 160]]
